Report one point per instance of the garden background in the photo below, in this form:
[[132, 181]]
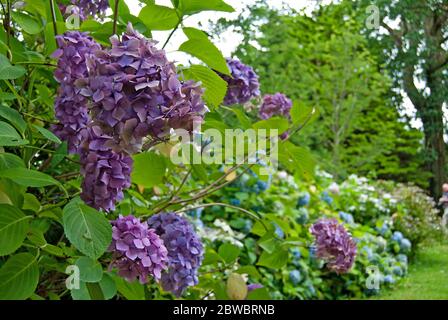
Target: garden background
[[93, 207]]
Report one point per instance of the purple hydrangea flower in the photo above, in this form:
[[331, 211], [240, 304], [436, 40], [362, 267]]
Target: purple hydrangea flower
[[243, 85], [275, 105], [254, 286], [136, 92], [87, 8], [106, 173], [334, 245], [185, 251], [70, 106], [137, 250]]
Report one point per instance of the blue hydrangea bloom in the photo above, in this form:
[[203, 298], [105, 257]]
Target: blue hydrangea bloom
[[397, 236], [185, 251], [326, 197], [138, 252], [295, 277], [303, 200]]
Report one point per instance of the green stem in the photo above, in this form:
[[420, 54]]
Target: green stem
[[16, 94], [8, 29], [308, 118], [175, 193], [37, 63], [253, 215], [171, 33], [53, 17], [114, 28]]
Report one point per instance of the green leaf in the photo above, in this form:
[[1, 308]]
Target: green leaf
[[108, 286], [13, 227], [7, 96], [26, 22], [14, 117], [296, 159], [37, 6], [281, 124], [47, 134], [241, 115], [229, 252], [130, 290], [200, 172], [86, 228], [211, 257], [89, 270], [149, 169], [249, 270], [95, 291], [8, 71], [215, 87], [59, 155], [50, 44], [259, 294], [30, 202], [36, 237], [51, 249], [28, 178], [122, 7], [189, 7], [274, 260], [11, 193], [19, 277], [236, 287], [9, 136], [301, 114], [80, 294], [200, 46], [9, 160], [157, 17]]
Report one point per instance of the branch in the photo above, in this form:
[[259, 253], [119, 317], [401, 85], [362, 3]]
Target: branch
[[114, 28], [53, 17], [253, 215], [413, 93], [443, 62], [167, 203], [395, 34]]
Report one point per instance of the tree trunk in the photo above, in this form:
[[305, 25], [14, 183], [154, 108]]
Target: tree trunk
[[432, 118], [435, 155]]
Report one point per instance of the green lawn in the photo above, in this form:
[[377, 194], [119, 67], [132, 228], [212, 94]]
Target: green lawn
[[427, 279]]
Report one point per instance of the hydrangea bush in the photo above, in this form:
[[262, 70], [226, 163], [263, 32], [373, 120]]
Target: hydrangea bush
[[86, 177]]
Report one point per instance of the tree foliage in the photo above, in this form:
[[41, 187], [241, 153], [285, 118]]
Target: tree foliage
[[411, 40], [330, 66]]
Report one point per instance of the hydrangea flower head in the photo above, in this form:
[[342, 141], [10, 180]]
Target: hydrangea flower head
[[71, 107], [87, 8], [106, 173], [185, 251], [138, 252], [136, 92], [334, 245], [254, 286], [275, 105], [242, 85]]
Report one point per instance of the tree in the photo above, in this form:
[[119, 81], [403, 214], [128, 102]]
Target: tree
[[415, 51], [328, 65]]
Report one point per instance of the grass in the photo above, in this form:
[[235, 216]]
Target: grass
[[427, 278]]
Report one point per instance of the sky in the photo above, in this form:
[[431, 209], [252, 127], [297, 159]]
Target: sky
[[228, 41]]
